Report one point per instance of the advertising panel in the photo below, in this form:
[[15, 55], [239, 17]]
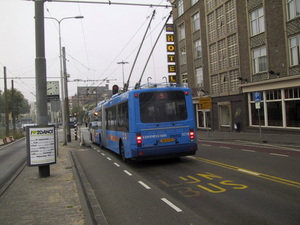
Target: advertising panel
[[41, 145]]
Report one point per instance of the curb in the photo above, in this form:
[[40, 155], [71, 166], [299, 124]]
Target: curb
[[90, 205]]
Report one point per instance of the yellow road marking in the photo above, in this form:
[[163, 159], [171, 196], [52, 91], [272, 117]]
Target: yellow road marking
[[253, 173]]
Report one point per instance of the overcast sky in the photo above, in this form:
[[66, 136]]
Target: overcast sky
[[108, 34]]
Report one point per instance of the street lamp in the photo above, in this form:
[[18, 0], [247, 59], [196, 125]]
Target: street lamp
[[64, 90], [123, 68]]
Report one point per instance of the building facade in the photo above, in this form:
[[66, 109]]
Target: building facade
[[243, 56]]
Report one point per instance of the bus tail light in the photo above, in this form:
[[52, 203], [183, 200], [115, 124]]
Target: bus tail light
[[139, 139], [192, 135]]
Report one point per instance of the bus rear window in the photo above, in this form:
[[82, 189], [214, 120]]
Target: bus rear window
[[157, 107]]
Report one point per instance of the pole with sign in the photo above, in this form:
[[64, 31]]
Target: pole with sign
[[257, 100]]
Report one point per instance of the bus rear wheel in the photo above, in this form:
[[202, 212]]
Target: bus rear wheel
[[122, 153]]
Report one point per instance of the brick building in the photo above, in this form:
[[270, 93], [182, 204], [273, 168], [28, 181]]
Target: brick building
[[229, 50]]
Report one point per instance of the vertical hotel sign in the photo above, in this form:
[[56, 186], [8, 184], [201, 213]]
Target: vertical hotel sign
[[171, 52], [40, 145]]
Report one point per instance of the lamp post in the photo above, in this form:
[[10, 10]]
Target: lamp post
[[123, 68], [63, 81]]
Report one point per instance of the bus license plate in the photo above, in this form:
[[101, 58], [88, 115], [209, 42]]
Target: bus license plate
[[166, 140]]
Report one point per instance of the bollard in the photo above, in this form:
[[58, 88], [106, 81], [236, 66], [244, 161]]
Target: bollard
[[82, 140], [75, 134]]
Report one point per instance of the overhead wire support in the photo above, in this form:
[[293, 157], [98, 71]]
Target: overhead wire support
[[127, 84], [110, 3], [139, 82]]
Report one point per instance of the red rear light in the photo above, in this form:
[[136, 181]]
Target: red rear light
[[139, 139], [192, 135], [136, 95], [186, 93]]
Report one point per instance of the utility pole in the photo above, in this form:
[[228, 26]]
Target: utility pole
[[123, 70], [66, 95], [40, 74], [6, 104], [13, 113]]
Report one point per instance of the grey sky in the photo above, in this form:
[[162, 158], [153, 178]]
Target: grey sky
[[108, 34]]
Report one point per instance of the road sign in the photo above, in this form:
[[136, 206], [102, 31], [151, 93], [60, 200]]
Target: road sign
[[257, 97], [257, 105], [205, 103]]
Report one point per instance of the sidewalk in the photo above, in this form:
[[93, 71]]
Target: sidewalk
[[51, 200], [276, 139]]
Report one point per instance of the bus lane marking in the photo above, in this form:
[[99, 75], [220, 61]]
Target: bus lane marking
[[247, 150], [144, 185], [253, 173], [282, 155], [171, 205], [128, 173], [202, 181]]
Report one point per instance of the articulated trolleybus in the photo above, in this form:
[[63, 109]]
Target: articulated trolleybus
[[147, 123]]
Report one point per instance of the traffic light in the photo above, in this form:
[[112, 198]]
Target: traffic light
[[115, 89]]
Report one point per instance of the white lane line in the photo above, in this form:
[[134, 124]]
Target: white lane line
[[249, 172], [279, 154], [103, 154], [98, 151], [144, 185], [171, 205], [246, 150], [129, 174], [108, 158], [206, 145], [224, 147], [117, 164]]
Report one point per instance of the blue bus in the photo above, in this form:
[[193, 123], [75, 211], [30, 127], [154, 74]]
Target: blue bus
[[144, 124]]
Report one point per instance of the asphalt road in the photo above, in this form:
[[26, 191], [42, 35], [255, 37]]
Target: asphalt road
[[12, 156], [225, 183]]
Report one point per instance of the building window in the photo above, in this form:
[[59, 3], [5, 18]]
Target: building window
[[184, 78], [259, 60], [278, 108], [230, 16], [213, 57], [183, 56], [293, 8], [180, 8], [232, 51], [198, 49], [224, 83], [181, 31], [233, 74], [257, 21], [224, 114], [292, 107], [222, 50], [220, 19], [194, 2], [211, 27], [196, 22], [295, 50], [199, 77], [215, 84]]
